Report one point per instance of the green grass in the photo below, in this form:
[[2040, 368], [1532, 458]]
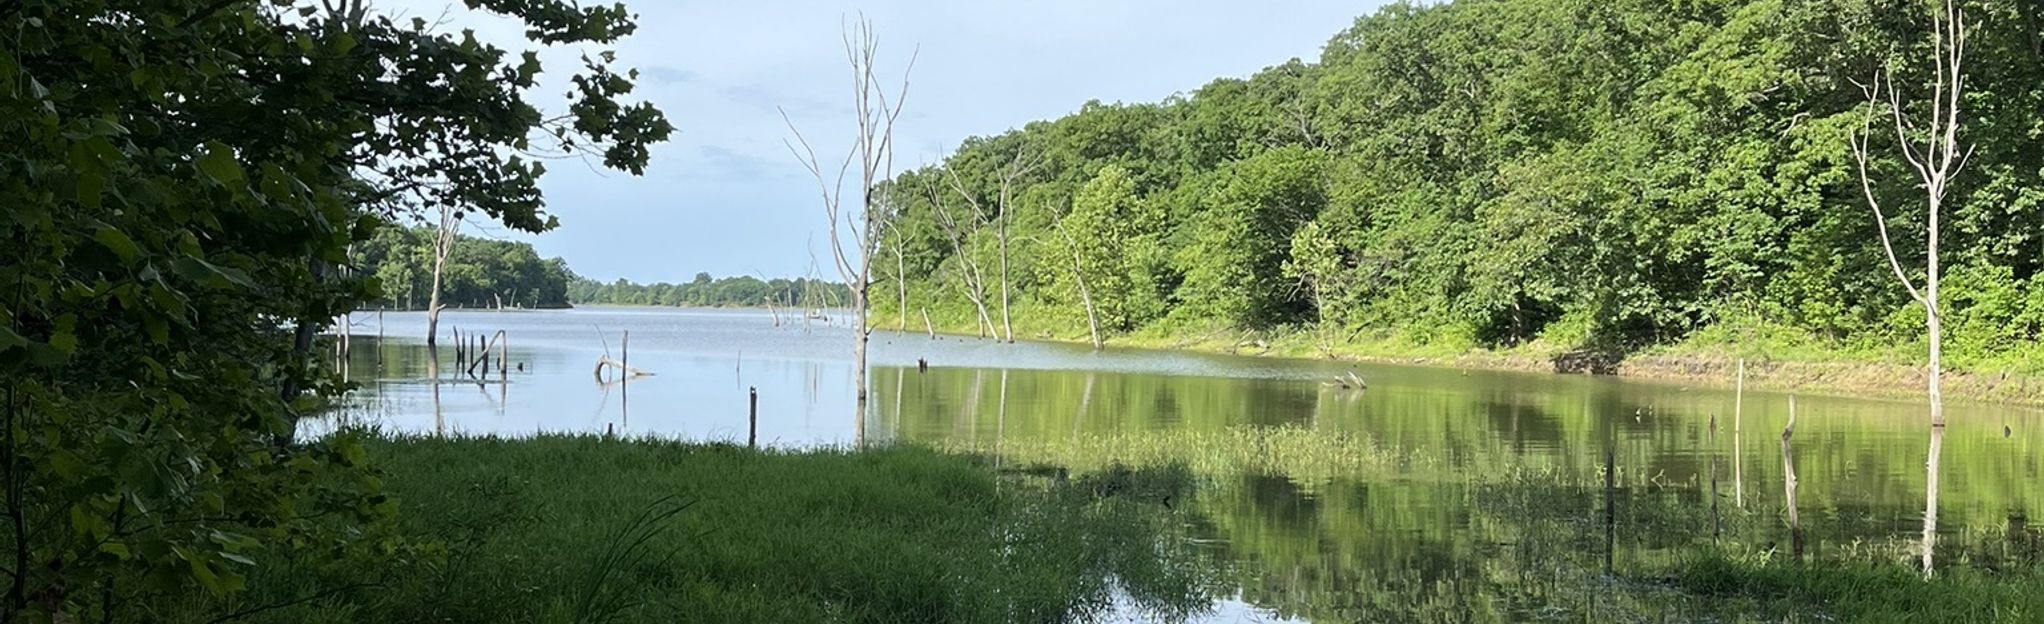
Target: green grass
[[1882, 592], [585, 529]]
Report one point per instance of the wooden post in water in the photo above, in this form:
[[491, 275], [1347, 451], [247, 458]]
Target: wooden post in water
[[503, 357], [752, 420], [624, 375], [1788, 482], [1610, 508]]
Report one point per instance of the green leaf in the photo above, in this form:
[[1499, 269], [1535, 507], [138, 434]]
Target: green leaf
[[91, 186], [10, 340], [66, 464], [212, 275], [117, 549], [157, 327], [118, 242], [218, 163]]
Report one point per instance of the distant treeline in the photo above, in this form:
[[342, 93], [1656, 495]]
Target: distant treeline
[[704, 291], [480, 272], [486, 273]]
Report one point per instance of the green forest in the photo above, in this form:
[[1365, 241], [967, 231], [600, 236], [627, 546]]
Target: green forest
[[1536, 176], [480, 272], [707, 292]]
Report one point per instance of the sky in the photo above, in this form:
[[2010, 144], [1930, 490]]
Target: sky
[[725, 196]]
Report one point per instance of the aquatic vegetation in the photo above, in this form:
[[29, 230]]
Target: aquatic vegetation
[[1296, 452], [588, 529]]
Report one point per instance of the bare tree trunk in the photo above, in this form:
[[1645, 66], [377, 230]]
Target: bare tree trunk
[[873, 148], [1016, 169], [1085, 295], [971, 276], [901, 286], [443, 244], [1007, 326], [1936, 161], [1930, 498], [859, 363]]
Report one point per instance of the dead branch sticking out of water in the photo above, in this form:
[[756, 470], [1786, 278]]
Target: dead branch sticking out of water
[[623, 364], [1351, 381]]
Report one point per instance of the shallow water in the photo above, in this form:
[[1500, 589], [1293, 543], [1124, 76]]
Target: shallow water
[[1433, 492]]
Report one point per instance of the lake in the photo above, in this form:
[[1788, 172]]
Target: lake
[[1432, 492]]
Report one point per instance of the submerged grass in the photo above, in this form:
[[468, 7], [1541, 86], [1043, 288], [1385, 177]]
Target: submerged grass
[[586, 529], [1298, 453]]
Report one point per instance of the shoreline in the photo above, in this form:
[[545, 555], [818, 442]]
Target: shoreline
[[1702, 369]]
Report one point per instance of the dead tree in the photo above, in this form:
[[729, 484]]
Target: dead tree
[[1085, 295], [901, 285], [1932, 149], [444, 237], [971, 275], [1011, 175], [859, 225]]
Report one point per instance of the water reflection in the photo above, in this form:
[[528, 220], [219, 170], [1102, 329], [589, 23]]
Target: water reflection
[[1930, 497], [1788, 482], [1484, 497], [1433, 494]]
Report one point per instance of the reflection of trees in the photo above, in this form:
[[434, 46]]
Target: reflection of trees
[[1466, 503], [1849, 455]]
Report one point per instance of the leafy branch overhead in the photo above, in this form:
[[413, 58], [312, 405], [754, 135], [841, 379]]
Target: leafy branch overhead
[[184, 179]]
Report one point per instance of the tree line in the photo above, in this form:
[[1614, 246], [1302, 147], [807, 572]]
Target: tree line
[[479, 273], [1560, 174], [704, 291]]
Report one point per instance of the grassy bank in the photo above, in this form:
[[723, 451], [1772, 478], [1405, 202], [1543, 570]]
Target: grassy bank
[[1776, 358], [581, 529]]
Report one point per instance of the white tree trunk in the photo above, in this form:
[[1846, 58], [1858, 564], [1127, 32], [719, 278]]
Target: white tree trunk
[[1007, 327]]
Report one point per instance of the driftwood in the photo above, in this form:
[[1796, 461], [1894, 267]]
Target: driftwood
[[623, 365], [605, 362]]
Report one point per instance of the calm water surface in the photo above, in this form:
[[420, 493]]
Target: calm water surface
[[1434, 493]]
